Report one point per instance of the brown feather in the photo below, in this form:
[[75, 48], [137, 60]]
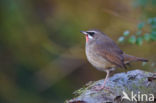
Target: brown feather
[[110, 51], [130, 58]]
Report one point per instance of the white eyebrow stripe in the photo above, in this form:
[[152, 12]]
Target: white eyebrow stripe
[[92, 31], [90, 37]]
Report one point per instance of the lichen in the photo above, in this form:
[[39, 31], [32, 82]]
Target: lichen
[[136, 81], [83, 89]]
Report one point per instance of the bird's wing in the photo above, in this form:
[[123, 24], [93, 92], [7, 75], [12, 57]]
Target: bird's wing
[[111, 52]]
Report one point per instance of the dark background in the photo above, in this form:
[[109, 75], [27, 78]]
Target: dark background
[[42, 55]]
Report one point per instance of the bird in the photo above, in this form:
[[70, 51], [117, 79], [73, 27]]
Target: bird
[[105, 55]]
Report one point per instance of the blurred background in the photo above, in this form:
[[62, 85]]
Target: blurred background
[[42, 52]]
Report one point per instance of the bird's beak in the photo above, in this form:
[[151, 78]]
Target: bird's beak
[[83, 32]]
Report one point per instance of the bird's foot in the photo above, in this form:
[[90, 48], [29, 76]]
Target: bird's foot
[[99, 88]]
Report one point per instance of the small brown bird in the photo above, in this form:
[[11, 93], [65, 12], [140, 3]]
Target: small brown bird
[[104, 54]]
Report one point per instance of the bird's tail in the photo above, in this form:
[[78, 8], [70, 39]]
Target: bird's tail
[[129, 58], [142, 59]]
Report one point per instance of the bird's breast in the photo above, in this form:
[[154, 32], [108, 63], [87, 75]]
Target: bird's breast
[[96, 60]]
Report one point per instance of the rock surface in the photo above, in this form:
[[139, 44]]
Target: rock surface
[[137, 81]]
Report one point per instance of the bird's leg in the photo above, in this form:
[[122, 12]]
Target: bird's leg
[[107, 76], [103, 85]]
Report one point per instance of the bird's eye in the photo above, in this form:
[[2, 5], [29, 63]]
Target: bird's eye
[[91, 33]]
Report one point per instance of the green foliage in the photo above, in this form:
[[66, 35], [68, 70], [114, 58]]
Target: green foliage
[[153, 35], [126, 33], [141, 35], [141, 25], [121, 39], [139, 41], [146, 30], [132, 39], [147, 37], [144, 3]]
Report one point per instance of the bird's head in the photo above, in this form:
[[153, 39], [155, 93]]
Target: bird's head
[[91, 35]]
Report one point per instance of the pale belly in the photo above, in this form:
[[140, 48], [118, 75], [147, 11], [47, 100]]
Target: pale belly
[[98, 61]]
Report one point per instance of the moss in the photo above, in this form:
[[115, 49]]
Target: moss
[[83, 89], [139, 84]]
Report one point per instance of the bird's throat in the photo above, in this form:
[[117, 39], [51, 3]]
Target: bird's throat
[[87, 38]]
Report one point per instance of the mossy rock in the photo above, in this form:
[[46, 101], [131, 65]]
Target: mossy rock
[[137, 81]]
